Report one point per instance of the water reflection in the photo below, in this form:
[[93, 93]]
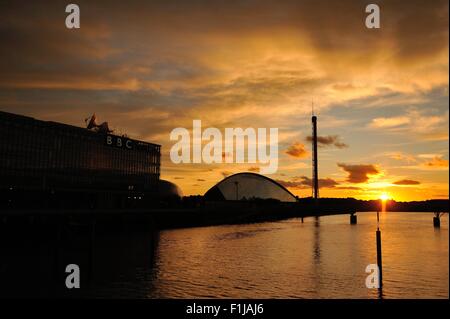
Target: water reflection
[[317, 241], [316, 254], [316, 258], [323, 258]]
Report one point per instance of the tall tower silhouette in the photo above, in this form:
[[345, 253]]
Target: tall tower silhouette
[[315, 164]]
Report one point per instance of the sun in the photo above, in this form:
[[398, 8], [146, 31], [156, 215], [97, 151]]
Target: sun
[[384, 197]]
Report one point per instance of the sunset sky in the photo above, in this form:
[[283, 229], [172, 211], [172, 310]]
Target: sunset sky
[[147, 67]]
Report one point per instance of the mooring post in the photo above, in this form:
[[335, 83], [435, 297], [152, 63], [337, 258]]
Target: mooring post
[[379, 261], [353, 218], [437, 220]]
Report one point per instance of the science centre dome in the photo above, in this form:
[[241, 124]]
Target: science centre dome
[[248, 186], [169, 189]]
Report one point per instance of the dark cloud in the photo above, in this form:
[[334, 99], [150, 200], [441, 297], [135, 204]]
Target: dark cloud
[[328, 140], [323, 182], [108, 50], [352, 188], [200, 180], [253, 169], [359, 173], [406, 182], [427, 18], [292, 184], [297, 150], [304, 182]]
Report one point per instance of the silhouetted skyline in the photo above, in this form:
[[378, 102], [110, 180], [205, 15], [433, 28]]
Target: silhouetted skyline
[[148, 67]]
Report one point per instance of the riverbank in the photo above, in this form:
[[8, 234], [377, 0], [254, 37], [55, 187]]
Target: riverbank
[[196, 214]]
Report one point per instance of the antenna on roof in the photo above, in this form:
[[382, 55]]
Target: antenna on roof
[[93, 125], [312, 106]]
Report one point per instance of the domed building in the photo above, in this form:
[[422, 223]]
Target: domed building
[[248, 186], [169, 190]]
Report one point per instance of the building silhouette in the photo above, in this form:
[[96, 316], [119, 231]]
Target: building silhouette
[[248, 186], [47, 164]]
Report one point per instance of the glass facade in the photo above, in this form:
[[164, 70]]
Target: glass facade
[[247, 186], [49, 157]]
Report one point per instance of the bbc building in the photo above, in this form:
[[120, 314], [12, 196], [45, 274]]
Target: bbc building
[[53, 165]]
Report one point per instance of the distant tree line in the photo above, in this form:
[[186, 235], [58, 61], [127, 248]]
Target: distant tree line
[[344, 204]]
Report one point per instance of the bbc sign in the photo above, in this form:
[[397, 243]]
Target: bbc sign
[[120, 142]]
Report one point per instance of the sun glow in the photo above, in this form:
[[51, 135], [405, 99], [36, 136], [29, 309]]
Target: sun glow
[[384, 197]]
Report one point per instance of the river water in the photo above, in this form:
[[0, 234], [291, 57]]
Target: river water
[[317, 258]]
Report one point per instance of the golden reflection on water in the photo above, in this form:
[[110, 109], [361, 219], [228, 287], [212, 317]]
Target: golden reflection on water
[[320, 258]]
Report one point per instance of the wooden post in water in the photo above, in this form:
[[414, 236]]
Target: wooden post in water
[[353, 218], [379, 261], [437, 220]]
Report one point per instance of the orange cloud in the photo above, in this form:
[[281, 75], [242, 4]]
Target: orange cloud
[[388, 122], [420, 122], [297, 150], [437, 161], [402, 157]]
